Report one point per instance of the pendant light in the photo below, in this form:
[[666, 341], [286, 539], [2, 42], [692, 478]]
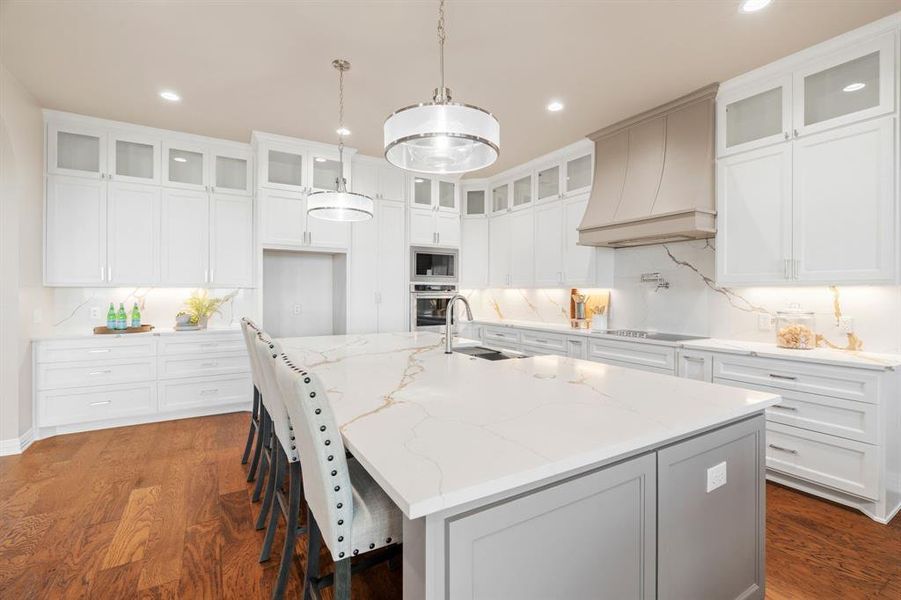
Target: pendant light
[[442, 136], [339, 204]]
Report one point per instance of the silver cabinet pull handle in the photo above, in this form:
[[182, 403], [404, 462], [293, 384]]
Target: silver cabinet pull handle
[[209, 364], [98, 351], [209, 344], [209, 391], [787, 135], [694, 358], [783, 407], [781, 449], [786, 377], [103, 372], [102, 274], [786, 268], [541, 341], [796, 133], [109, 272], [100, 403]]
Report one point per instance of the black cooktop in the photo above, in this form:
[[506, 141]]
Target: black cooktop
[[652, 335]]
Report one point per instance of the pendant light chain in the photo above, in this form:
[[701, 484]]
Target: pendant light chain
[[442, 36], [341, 66]]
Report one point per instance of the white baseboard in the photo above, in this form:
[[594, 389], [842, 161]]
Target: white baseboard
[[17, 445]]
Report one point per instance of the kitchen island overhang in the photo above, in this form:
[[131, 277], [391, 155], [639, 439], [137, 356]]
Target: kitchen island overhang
[[446, 435]]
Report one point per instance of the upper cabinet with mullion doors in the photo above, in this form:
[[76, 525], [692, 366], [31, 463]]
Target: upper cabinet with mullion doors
[[86, 149], [439, 194], [295, 165]]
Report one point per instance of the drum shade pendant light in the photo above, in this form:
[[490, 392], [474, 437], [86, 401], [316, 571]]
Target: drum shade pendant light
[[442, 136], [339, 204]]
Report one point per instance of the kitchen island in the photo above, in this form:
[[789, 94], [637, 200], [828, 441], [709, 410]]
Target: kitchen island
[[551, 477]]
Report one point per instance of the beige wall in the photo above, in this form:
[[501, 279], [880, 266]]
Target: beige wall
[[21, 209]]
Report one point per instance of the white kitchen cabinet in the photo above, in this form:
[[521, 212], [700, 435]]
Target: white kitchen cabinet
[[549, 244], [231, 240], [282, 166], [500, 198], [499, 242], [76, 149], [133, 234], [322, 233], [847, 86], [694, 364], [754, 116], [844, 204], [447, 229], [475, 203], [285, 222], [185, 165], [522, 249], [134, 157], [579, 262], [578, 173], [378, 179], [75, 243], [548, 183], [522, 192], [474, 253], [431, 192], [231, 170], [185, 247], [432, 227], [754, 217]]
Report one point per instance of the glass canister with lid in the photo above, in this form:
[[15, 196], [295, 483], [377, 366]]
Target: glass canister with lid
[[795, 328]]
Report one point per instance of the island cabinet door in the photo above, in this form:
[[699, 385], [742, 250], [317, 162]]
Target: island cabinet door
[[592, 536], [711, 514]]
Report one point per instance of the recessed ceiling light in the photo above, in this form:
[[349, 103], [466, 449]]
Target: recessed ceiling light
[[555, 106], [319, 159], [342, 131], [170, 96], [180, 159], [419, 180], [853, 87], [749, 6]]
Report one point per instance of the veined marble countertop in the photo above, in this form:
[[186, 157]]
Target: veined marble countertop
[[823, 356], [158, 331], [437, 431]]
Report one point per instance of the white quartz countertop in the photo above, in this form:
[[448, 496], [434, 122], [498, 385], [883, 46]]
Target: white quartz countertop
[[824, 356], [437, 431], [158, 331]]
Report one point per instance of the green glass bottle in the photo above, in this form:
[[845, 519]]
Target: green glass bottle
[[121, 318], [135, 316], [111, 317]]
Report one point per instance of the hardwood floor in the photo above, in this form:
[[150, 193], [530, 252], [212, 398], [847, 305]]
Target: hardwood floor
[[163, 511]]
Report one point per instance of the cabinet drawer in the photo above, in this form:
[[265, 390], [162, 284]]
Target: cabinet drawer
[[180, 366], [210, 391], [63, 407], [631, 365], [824, 414], [851, 384], [658, 358], [102, 348], [201, 344], [546, 341], [835, 462], [90, 373], [503, 335]]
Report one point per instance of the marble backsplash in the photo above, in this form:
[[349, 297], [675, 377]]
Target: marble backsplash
[[70, 308], [694, 304]]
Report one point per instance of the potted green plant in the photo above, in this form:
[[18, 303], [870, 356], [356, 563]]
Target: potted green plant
[[200, 306]]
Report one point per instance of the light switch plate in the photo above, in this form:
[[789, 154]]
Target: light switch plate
[[716, 477], [296, 310], [95, 312]]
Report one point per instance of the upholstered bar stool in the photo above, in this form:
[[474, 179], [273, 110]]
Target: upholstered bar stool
[[285, 462], [248, 329], [345, 507]]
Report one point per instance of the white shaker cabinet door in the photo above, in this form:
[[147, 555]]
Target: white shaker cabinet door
[[75, 231], [579, 262], [392, 183], [474, 254], [447, 229], [363, 276], [499, 251], [133, 234], [844, 219], [522, 249], [754, 217], [231, 241], [549, 244], [422, 226], [392, 293], [185, 238], [283, 217], [327, 234]]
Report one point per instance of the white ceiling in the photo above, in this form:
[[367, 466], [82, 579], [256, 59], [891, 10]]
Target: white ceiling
[[266, 65]]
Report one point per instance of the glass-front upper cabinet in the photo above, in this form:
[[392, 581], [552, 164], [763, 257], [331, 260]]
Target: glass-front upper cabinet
[[852, 85], [282, 167], [577, 177], [422, 192], [326, 171], [231, 170], [76, 150], [754, 116], [475, 203], [549, 183], [522, 192], [436, 194], [447, 196], [184, 165], [500, 196], [134, 158]]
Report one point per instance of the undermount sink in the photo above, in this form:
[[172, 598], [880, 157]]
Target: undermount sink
[[488, 353]]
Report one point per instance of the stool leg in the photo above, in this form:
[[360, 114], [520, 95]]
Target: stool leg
[[265, 459], [314, 541], [290, 529], [270, 506], [254, 416], [342, 580], [258, 450]]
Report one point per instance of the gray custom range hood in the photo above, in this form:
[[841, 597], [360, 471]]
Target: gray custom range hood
[[654, 176]]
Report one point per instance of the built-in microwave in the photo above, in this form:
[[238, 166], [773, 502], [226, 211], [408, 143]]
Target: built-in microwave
[[433, 265]]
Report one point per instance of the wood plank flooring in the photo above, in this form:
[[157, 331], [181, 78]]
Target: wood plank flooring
[[163, 511]]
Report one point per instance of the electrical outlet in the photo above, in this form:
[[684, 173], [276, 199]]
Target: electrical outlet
[[765, 322], [716, 477], [296, 310], [845, 324], [95, 312]]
